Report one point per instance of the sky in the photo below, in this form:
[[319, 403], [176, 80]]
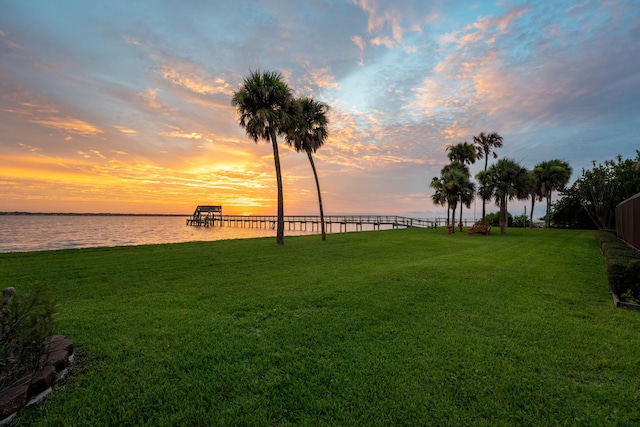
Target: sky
[[125, 106]]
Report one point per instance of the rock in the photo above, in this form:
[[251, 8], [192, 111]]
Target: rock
[[42, 380], [59, 359], [60, 342], [14, 397], [30, 386]]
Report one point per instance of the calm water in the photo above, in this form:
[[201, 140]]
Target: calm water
[[23, 233]]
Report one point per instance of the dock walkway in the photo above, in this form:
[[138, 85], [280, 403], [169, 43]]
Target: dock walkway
[[302, 221]]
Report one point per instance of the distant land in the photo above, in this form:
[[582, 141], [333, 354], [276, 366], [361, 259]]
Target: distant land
[[86, 214]]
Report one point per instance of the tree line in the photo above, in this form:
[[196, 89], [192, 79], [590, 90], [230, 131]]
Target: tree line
[[267, 109], [503, 181], [589, 202]]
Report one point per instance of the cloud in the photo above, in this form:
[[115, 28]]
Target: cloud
[[7, 43], [69, 125], [321, 78], [126, 130], [193, 78], [357, 40], [149, 98]]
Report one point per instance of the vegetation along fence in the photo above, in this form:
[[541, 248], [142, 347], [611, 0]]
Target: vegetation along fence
[[628, 221]]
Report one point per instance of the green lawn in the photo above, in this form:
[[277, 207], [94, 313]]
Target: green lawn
[[399, 327]]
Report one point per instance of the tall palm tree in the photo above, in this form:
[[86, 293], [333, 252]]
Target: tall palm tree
[[455, 179], [262, 103], [464, 153], [307, 132], [551, 175], [507, 181], [536, 194], [485, 145]]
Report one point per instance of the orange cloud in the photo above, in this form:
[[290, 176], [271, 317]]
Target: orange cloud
[[194, 78], [70, 125]]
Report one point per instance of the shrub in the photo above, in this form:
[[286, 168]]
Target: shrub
[[623, 266], [26, 322], [603, 236], [493, 219]]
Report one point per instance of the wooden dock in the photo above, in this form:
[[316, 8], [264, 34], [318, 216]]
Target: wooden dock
[[303, 222], [205, 215]]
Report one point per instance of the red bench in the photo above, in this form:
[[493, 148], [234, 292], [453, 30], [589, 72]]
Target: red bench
[[480, 229]]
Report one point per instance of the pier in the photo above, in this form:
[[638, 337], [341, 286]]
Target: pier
[[305, 222], [205, 215]]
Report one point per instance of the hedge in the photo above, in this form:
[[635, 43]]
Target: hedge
[[623, 266]]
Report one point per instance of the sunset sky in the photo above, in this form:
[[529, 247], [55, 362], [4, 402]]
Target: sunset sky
[[124, 106]]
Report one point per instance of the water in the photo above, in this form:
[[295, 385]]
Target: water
[[25, 233]]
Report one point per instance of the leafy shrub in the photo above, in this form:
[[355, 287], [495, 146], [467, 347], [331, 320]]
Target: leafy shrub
[[493, 219], [521, 220], [26, 322], [623, 266]]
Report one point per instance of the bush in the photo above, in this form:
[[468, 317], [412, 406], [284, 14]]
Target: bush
[[606, 237], [26, 323], [493, 219], [521, 221], [623, 266]]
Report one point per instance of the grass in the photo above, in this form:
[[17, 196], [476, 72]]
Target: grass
[[399, 327]]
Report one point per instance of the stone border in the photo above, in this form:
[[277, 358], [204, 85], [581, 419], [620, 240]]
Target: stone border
[[33, 387], [622, 304]]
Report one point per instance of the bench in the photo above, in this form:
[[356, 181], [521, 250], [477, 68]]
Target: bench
[[480, 229]]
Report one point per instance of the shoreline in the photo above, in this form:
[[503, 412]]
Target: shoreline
[[82, 214]]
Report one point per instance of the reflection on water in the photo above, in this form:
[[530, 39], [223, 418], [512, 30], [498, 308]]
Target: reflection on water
[[21, 233]]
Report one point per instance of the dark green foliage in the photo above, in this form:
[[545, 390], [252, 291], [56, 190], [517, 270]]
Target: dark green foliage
[[623, 266], [605, 237], [569, 213], [548, 176], [27, 323], [507, 180], [493, 219], [600, 189], [519, 221]]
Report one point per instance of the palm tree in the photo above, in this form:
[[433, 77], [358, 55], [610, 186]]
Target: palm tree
[[507, 181], [465, 154], [262, 103], [551, 175], [439, 197], [485, 144], [536, 193], [455, 179], [307, 132], [462, 152], [467, 194]]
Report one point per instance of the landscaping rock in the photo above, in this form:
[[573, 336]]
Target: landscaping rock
[[41, 380], [14, 397], [18, 395]]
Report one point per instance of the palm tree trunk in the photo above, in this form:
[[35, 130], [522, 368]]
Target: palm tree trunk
[[315, 174], [453, 218], [503, 215], [461, 213], [547, 218], [276, 160], [486, 163], [533, 203]]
